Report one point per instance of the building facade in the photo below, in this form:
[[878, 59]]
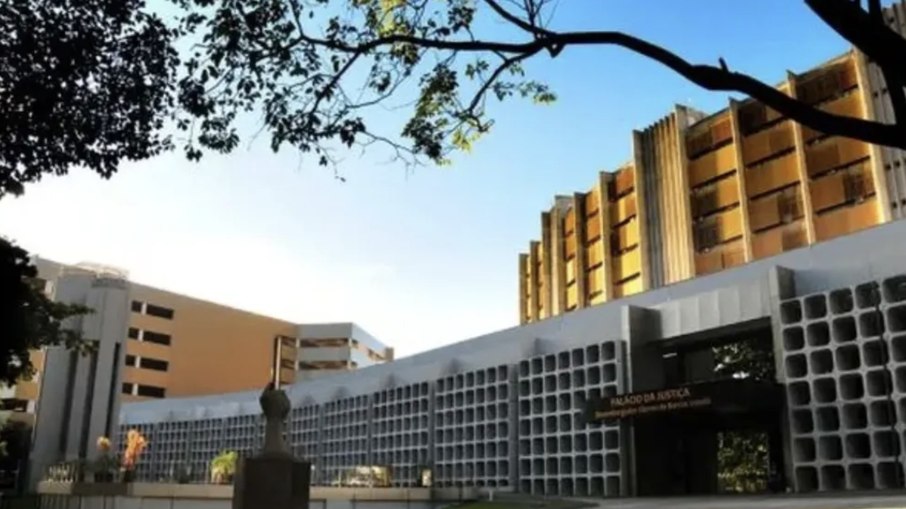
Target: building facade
[[894, 160], [510, 410], [328, 348], [154, 344], [705, 193]]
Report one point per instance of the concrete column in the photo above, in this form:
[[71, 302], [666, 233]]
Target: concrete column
[[524, 283], [558, 264], [878, 174], [604, 210], [782, 285], [54, 409], [546, 266], [641, 211], [804, 180], [644, 442], [741, 181], [581, 262], [79, 405], [534, 280], [681, 113]]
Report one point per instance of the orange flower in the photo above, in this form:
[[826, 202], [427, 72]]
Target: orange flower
[[135, 445]]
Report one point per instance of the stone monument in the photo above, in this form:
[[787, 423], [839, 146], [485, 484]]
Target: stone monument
[[273, 479]]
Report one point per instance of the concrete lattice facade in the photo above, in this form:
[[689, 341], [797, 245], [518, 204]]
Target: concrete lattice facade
[[558, 453], [706, 193], [505, 410], [845, 368]]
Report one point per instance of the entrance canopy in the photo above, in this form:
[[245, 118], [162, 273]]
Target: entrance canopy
[[718, 403]]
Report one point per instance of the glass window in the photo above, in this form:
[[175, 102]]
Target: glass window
[[156, 337], [136, 306], [150, 391], [159, 311], [155, 364], [133, 333]]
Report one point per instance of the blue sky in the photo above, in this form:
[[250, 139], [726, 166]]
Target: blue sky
[[418, 259]]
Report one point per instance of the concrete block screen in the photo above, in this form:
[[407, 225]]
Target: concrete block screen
[[558, 453], [845, 404]]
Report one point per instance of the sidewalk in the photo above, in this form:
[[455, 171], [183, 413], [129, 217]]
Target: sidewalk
[[867, 500]]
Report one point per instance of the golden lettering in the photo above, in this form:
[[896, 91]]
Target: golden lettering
[[651, 402]]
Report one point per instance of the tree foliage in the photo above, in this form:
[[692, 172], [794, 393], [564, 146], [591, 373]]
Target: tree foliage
[[315, 68], [750, 358], [82, 83], [29, 320], [15, 442], [742, 461], [742, 456], [96, 82]]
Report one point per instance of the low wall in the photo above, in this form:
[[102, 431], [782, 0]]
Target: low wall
[[206, 496]]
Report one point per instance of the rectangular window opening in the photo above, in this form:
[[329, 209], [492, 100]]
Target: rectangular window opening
[[159, 311], [150, 391], [156, 337]]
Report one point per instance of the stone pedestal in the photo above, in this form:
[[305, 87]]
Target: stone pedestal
[[272, 482]]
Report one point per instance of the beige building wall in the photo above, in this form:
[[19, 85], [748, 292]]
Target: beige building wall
[[590, 252], [181, 346], [703, 194], [178, 346]]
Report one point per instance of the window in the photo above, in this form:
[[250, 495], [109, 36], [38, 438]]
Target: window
[[130, 361], [751, 117], [133, 333], [287, 363], [149, 391], [159, 311], [789, 205], [854, 185], [14, 405], [156, 337], [136, 306], [127, 388], [155, 364], [705, 235]]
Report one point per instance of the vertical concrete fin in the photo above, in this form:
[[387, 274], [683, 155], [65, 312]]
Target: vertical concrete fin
[[804, 187]]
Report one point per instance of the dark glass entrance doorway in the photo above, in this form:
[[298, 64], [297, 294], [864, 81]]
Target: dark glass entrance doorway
[[723, 435]]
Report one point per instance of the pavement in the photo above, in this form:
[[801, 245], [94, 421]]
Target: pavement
[[847, 500]]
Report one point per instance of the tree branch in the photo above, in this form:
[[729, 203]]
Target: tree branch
[[512, 18], [310, 115], [847, 18], [868, 32], [706, 76], [506, 64]]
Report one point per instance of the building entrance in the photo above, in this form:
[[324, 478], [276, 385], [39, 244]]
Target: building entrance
[[712, 424], [726, 440]]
